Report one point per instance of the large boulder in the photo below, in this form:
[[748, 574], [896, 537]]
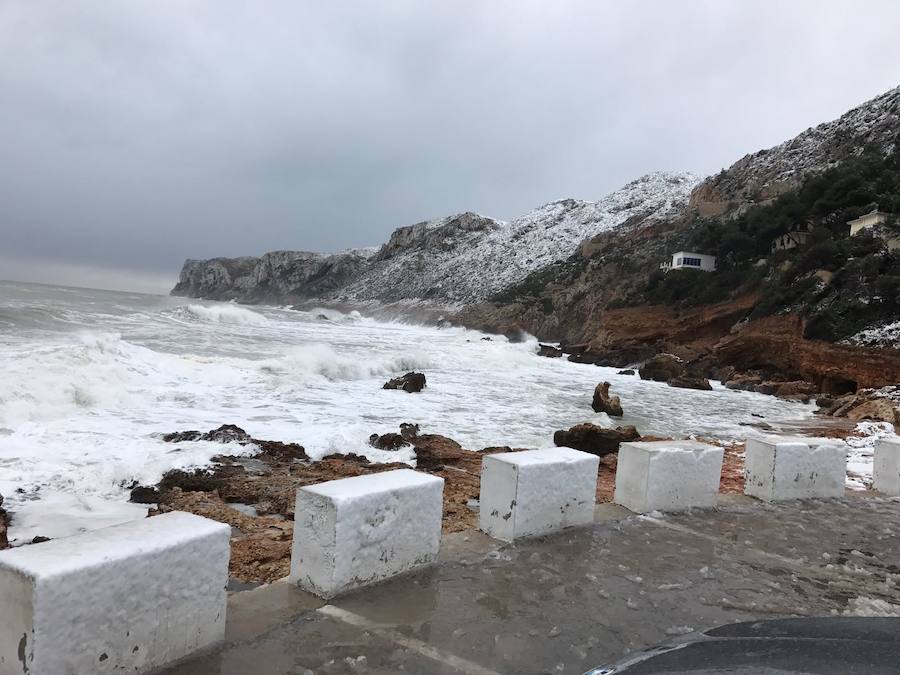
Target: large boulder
[[410, 382], [879, 409], [388, 441], [605, 403], [685, 382], [743, 382], [595, 439], [662, 368], [549, 351], [433, 451]]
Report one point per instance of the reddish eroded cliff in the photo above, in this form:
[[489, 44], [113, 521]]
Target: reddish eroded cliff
[[777, 342]]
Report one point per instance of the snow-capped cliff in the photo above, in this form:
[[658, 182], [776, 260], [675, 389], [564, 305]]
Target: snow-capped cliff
[[455, 260], [767, 173]]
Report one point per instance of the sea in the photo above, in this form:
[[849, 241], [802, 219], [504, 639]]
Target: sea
[[91, 379]]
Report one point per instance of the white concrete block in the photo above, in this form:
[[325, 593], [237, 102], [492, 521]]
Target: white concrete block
[[128, 598], [777, 469], [886, 470], [667, 475], [537, 491], [355, 531]]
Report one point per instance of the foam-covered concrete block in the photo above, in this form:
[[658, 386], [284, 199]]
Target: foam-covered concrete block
[[886, 470], [128, 598], [777, 469], [356, 531], [536, 491], [667, 475]]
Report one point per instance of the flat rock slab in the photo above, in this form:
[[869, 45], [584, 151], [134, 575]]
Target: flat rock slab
[[581, 598], [536, 491], [667, 475], [356, 531], [129, 598]]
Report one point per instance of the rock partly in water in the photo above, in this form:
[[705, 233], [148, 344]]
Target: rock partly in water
[[627, 371], [142, 494], [409, 430], [685, 382], [411, 382], [549, 351], [605, 403], [662, 368], [389, 441], [595, 439], [230, 433], [4, 525]]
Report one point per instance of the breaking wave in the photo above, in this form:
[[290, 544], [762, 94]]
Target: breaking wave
[[323, 360], [221, 313]]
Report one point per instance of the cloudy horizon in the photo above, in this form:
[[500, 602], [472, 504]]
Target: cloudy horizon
[[136, 135]]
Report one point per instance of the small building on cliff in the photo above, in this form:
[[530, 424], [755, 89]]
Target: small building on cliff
[[867, 222], [689, 260]]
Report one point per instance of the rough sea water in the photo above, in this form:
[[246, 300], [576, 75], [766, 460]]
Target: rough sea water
[[90, 379]]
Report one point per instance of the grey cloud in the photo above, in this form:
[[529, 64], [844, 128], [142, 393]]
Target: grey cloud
[[134, 135]]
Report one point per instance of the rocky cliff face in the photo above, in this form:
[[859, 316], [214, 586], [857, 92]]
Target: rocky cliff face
[[456, 260], [593, 299], [763, 175], [278, 276]]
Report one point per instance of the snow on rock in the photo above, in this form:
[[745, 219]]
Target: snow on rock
[[355, 531], [128, 598], [667, 475], [451, 261], [767, 173], [866, 606], [466, 258], [537, 491], [886, 336]]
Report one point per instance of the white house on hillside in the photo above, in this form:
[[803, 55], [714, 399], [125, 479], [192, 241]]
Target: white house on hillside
[[688, 260], [867, 222]]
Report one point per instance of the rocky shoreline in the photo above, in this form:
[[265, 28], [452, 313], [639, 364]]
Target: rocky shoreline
[[255, 494]]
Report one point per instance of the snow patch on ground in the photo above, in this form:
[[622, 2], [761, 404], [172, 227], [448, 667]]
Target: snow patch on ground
[[860, 457], [885, 336], [865, 606]]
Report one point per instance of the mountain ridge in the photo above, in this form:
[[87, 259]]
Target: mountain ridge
[[450, 261]]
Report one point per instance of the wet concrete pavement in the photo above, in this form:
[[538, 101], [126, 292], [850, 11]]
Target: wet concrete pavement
[[580, 598]]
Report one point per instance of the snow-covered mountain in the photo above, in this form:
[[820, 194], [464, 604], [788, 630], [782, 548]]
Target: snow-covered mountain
[[767, 173], [455, 260]]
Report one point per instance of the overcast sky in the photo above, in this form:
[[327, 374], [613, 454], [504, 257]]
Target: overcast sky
[[136, 134]]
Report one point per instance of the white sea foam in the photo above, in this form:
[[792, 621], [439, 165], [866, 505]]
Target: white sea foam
[[83, 402], [223, 313]]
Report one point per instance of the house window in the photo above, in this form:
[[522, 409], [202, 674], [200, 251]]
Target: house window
[[693, 262], [678, 261]]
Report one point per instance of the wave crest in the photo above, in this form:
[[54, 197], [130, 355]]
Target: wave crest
[[223, 313]]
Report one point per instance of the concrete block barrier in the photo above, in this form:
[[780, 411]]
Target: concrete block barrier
[[356, 531], [123, 599], [536, 491], [667, 475], [777, 469], [886, 470]]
